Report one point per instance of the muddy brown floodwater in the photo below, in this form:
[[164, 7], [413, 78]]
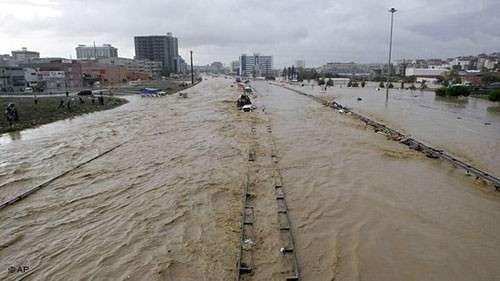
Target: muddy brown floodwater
[[166, 204], [469, 127]]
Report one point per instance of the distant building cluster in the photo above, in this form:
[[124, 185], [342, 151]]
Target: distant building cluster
[[155, 56], [431, 70]]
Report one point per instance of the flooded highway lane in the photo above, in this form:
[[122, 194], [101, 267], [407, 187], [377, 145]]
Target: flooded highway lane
[[454, 125], [370, 209], [166, 205]]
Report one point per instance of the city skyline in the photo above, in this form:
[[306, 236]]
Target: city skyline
[[326, 31]]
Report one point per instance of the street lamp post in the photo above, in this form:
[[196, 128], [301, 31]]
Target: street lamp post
[[392, 11], [192, 74]]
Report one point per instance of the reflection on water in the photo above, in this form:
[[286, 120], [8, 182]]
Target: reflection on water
[[494, 109], [453, 102]]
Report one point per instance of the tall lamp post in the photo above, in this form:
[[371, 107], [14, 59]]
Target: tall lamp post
[[192, 74], [392, 11]]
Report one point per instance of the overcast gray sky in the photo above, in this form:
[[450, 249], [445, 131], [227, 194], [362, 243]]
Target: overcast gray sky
[[219, 30]]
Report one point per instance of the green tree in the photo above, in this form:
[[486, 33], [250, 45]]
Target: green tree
[[494, 95]]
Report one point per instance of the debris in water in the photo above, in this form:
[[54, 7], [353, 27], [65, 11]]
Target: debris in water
[[248, 244]]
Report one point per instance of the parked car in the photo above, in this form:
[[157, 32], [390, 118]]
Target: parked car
[[28, 90], [85, 93]]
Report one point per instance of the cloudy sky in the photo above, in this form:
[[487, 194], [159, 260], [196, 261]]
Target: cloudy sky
[[219, 30]]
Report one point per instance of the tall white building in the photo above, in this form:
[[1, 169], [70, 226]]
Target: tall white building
[[256, 65], [96, 52]]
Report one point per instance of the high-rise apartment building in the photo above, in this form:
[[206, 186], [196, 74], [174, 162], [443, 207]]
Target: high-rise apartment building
[[159, 48]]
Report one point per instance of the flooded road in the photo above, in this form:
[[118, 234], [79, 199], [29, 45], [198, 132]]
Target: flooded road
[[366, 208], [166, 204], [455, 125]]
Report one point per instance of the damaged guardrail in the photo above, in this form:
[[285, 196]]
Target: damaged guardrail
[[40, 186]]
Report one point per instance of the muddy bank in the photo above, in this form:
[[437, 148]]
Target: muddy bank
[[33, 112]]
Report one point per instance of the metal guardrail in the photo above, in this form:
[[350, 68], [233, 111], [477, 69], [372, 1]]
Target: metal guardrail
[[40, 186], [289, 251], [244, 262], [412, 143]]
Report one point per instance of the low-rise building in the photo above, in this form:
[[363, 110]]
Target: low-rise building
[[24, 56], [7, 60], [53, 80], [96, 52], [145, 69], [31, 76], [50, 68], [105, 74], [425, 72], [12, 79]]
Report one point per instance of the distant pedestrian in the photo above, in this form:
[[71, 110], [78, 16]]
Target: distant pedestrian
[[67, 94], [68, 105], [61, 104], [101, 99], [35, 99], [11, 114]]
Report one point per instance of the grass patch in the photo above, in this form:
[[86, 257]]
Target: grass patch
[[47, 110]]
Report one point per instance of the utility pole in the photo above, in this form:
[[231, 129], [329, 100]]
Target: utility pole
[[392, 11], [192, 74]]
